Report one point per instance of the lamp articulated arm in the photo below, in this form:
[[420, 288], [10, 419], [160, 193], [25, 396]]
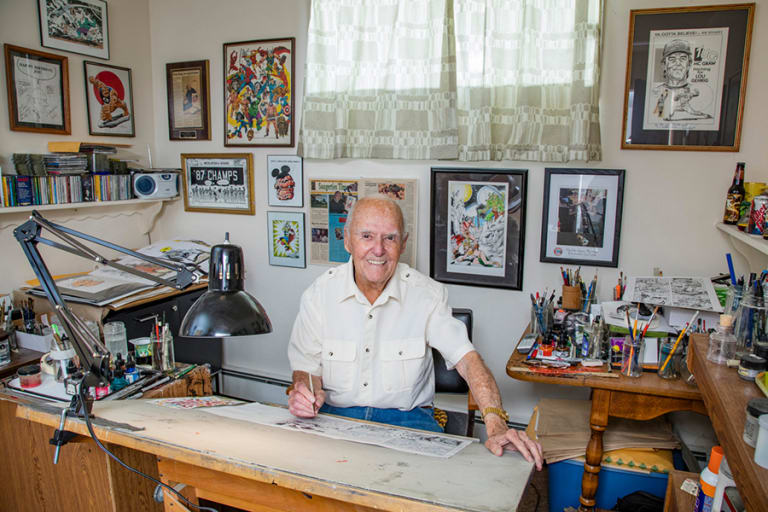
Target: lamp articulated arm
[[93, 355]]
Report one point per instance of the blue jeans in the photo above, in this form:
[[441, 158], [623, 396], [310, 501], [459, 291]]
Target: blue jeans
[[420, 417]]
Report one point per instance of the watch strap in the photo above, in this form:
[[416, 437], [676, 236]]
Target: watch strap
[[498, 411]]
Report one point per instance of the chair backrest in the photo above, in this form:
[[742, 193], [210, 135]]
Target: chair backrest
[[449, 381]]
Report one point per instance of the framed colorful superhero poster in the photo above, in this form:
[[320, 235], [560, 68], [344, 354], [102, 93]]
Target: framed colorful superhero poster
[[109, 98], [258, 92], [286, 239]]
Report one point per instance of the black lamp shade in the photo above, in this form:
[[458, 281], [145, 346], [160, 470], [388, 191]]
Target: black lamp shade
[[225, 309]]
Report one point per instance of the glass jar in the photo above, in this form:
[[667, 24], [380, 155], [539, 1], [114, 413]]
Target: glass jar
[[672, 368], [630, 358], [750, 325], [722, 342], [732, 299]]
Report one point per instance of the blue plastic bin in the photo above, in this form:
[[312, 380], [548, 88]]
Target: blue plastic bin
[[565, 484]]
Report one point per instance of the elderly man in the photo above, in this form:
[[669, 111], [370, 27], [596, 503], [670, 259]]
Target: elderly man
[[363, 334]]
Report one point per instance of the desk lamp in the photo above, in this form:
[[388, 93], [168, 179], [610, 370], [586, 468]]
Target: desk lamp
[[226, 309]]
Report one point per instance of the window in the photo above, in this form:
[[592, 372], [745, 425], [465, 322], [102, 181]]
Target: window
[[453, 79]]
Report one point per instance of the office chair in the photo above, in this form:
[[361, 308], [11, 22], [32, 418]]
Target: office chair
[[449, 381]]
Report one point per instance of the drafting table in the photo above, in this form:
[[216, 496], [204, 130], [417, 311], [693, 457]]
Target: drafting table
[[256, 467]]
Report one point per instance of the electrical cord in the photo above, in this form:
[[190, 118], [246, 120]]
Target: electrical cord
[[129, 468]]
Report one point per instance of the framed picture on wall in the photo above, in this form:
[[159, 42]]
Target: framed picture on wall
[[189, 102], [285, 179], [258, 92], [77, 26], [581, 220], [109, 99], [287, 247], [686, 77], [38, 90], [477, 226], [218, 183]]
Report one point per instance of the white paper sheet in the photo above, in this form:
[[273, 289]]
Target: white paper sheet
[[406, 440]]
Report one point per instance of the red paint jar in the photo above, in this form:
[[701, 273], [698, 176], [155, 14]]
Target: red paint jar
[[30, 376]]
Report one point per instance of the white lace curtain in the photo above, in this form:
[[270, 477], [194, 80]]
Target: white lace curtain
[[452, 79]]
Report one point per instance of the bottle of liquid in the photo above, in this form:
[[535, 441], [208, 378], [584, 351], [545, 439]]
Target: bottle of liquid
[[735, 196], [722, 342], [724, 479], [708, 482]]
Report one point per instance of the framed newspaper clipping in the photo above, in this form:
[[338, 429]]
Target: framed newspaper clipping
[[686, 77]]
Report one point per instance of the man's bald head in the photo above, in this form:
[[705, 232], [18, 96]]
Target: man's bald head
[[375, 205]]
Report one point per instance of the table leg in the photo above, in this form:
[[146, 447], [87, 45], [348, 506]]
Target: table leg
[[598, 420]]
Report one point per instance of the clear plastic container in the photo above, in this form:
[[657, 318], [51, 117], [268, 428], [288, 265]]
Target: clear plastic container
[[116, 339], [732, 300], [722, 342]]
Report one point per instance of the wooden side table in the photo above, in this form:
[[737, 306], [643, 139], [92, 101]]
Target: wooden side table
[[643, 398]]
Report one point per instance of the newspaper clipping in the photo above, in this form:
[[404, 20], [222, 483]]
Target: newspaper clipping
[[685, 79], [330, 201]]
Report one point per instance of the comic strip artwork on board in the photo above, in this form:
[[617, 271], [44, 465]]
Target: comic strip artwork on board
[[258, 93]]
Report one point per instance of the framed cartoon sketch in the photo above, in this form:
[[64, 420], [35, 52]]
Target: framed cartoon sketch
[[218, 183], [38, 90], [581, 222], [77, 26], [686, 77], [258, 92], [477, 226], [287, 247], [189, 101], [285, 179], [109, 98]]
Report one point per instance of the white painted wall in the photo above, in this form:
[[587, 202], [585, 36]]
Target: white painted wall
[[129, 38], [672, 198]]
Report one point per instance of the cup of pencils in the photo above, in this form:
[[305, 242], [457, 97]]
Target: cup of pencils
[[572, 298], [630, 358], [671, 369]]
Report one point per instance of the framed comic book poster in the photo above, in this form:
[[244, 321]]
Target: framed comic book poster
[[77, 26], [686, 77], [287, 247], [109, 99], [285, 181], [218, 183], [258, 92], [581, 220], [477, 226]]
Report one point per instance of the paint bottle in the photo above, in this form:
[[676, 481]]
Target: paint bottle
[[708, 481], [724, 479]]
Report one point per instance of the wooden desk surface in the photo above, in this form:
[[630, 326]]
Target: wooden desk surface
[[726, 396], [366, 475], [22, 357], [649, 383]]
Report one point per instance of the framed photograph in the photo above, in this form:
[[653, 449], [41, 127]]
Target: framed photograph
[[687, 77], [286, 239], [77, 26], [38, 90], [581, 222], [109, 98], [189, 101], [285, 181], [218, 183], [477, 226], [258, 92]]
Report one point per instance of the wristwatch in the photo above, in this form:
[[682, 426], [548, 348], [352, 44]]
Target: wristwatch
[[498, 411]]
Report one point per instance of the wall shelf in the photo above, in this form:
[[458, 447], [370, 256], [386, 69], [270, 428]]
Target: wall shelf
[[753, 247], [76, 206]]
